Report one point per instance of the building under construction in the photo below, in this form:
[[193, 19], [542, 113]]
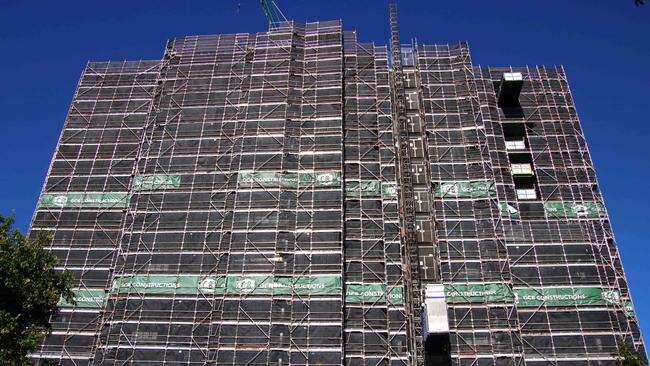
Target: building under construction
[[296, 197]]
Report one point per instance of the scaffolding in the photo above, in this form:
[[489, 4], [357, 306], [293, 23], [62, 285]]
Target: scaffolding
[[375, 328], [250, 237], [560, 243], [295, 196], [85, 193]]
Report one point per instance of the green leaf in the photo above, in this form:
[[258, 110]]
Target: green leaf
[[30, 290]]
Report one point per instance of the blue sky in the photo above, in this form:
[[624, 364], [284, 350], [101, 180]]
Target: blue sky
[[604, 46]]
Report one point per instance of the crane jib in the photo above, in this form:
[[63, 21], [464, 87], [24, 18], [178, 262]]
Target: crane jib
[[272, 13]]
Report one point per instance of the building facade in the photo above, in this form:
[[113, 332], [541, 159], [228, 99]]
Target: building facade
[[295, 196]]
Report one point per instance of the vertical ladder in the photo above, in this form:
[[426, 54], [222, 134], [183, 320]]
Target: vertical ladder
[[413, 293]]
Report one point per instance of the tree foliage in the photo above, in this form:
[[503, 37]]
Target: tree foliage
[[30, 289], [626, 356]]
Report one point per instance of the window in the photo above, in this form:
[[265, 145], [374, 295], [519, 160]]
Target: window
[[409, 80], [416, 147], [414, 124], [417, 171], [508, 93], [515, 145], [521, 169], [526, 194], [407, 57], [412, 101], [512, 76]]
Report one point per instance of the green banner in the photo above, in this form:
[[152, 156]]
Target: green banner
[[526, 297], [574, 210], [629, 310], [492, 292], [269, 285], [159, 181], [232, 285], [373, 293], [86, 299], [363, 188], [320, 179], [465, 189], [169, 284], [64, 200], [508, 211], [267, 180], [388, 190], [395, 295], [289, 180]]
